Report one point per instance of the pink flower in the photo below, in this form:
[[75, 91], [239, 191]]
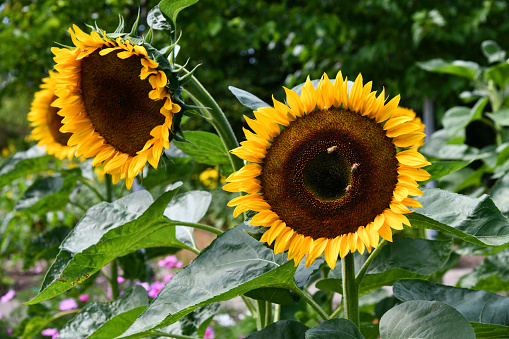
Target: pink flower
[[120, 280], [50, 332], [170, 262], [7, 296], [38, 270], [67, 304], [168, 277], [83, 298], [9, 331], [155, 288], [144, 284], [209, 333]]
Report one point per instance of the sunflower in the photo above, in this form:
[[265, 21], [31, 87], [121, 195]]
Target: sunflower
[[330, 172], [47, 122], [115, 102]]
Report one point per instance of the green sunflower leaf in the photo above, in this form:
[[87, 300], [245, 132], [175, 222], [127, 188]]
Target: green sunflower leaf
[[171, 8], [108, 231], [107, 320], [499, 74], [47, 194], [204, 148], [438, 146], [334, 328], [247, 99], [232, 265], [474, 220], [424, 319], [402, 259], [492, 51], [491, 275], [439, 169], [501, 117], [466, 69], [283, 329], [22, 163], [476, 306], [500, 193], [457, 118], [490, 331]]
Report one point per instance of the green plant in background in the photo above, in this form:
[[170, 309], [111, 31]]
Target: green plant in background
[[104, 238]]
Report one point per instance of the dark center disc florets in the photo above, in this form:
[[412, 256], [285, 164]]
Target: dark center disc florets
[[116, 100], [330, 172]]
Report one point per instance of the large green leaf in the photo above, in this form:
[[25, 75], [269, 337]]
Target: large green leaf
[[466, 69], [247, 99], [501, 117], [500, 193], [491, 275], [47, 194], [204, 147], [490, 331], [107, 320], [334, 328], [439, 169], [402, 259], [457, 118], [232, 265], [192, 324], [283, 329], [424, 319], [474, 220], [22, 163], [108, 231], [171, 8], [476, 306]]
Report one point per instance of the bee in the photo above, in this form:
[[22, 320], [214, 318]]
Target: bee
[[348, 188], [355, 166], [332, 149]]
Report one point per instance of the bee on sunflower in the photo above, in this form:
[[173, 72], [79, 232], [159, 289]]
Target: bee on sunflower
[[329, 172]]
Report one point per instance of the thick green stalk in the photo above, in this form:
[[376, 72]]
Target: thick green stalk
[[277, 312], [260, 318], [216, 117], [350, 289], [268, 313]]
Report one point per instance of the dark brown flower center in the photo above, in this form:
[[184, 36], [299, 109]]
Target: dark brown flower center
[[329, 173], [116, 100], [54, 122]]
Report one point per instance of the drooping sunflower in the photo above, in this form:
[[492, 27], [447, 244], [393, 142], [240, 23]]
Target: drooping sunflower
[[330, 172], [115, 101], [47, 122]]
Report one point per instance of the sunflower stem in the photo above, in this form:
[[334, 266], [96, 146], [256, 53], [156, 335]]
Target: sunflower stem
[[277, 312], [364, 268], [260, 318], [217, 118], [249, 305], [312, 303], [268, 313], [199, 226], [350, 289]]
